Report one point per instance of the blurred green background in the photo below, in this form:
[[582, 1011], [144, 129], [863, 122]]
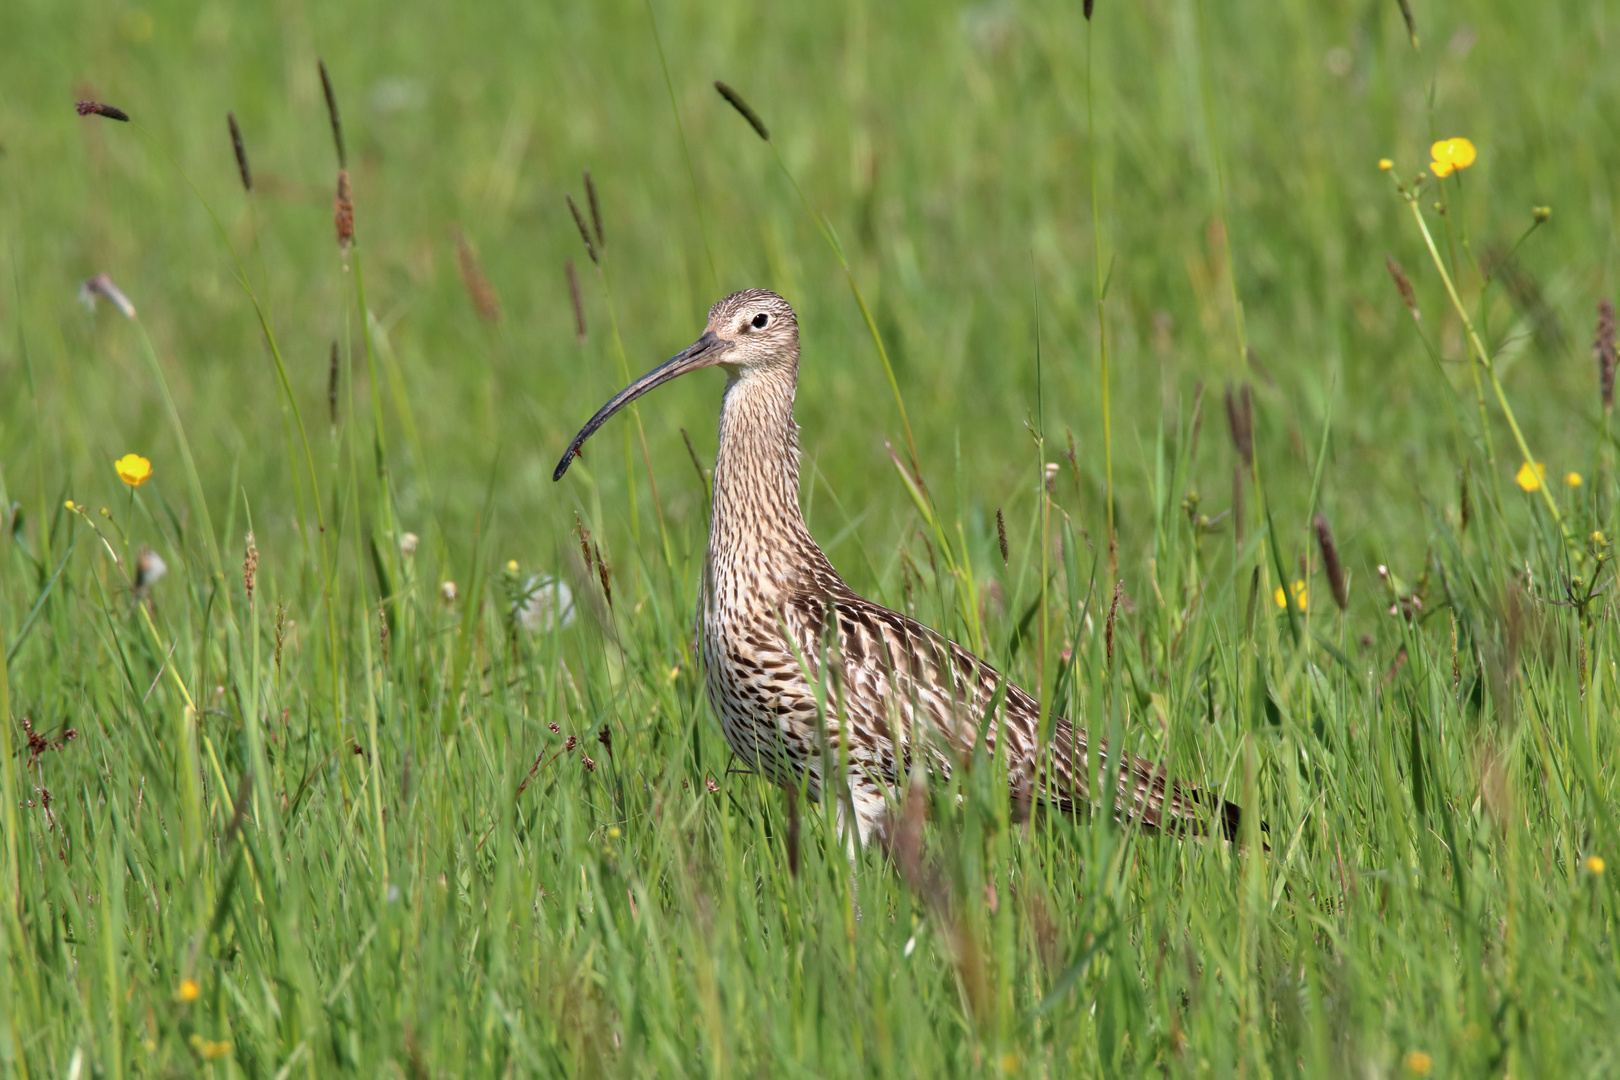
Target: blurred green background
[[947, 145]]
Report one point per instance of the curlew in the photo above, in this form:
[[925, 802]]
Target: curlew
[[777, 624]]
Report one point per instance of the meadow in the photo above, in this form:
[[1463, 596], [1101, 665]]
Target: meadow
[[336, 739]]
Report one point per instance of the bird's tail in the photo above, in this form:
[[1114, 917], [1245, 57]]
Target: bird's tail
[[1145, 794]]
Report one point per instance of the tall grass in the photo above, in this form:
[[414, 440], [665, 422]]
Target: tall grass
[[377, 804]]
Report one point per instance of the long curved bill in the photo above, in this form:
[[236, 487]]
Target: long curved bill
[[701, 353]]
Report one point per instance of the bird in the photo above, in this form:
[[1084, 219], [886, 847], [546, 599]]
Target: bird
[[814, 684]]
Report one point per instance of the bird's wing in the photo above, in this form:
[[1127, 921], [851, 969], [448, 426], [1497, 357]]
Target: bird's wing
[[901, 687]]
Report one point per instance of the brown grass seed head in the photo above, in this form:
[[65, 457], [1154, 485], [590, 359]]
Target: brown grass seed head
[[332, 115], [242, 169], [332, 385], [596, 210], [98, 108], [579, 303], [1240, 421], [1330, 562], [343, 211], [1603, 350], [476, 282], [1403, 285], [250, 567], [584, 233], [735, 100]]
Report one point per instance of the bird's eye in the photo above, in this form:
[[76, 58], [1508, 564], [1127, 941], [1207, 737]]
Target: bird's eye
[[761, 321]]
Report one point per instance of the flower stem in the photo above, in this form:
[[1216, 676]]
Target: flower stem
[[1484, 362]]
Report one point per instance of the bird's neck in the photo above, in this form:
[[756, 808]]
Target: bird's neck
[[757, 527]]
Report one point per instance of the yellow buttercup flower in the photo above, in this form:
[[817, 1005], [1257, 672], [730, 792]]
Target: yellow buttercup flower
[[1458, 153], [133, 469], [1573, 479], [1301, 594], [189, 990], [1420, 1063], [1530, 476], [1594, 864], [1441, 169], [1385, 164]]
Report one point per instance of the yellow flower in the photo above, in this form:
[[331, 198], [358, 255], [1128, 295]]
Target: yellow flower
[[1457, 153], [1573, 479], [1385, 164], [1594, 864], [133, 469], [1530, 476], [189, 990], [69, 505], [1300, 596], [1420, 1063], [1441, 169]]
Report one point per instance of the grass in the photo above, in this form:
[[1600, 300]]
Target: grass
[[347, 825]]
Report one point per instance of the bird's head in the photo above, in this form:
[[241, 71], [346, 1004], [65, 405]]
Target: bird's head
[[748, 332]]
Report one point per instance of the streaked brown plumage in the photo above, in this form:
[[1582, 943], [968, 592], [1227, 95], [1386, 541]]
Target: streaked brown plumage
[[778, 625]]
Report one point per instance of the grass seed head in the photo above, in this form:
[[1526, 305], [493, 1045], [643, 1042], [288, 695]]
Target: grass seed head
[[476, 282], [99, 108], [1197, 421], [332, 385], [605, 572], [1411, 23], [1330, 562], [596, 210], [1403, 285], [1603, 350], [250, 567], [242, 169], [343, 211], [579, 303], [332, 115], [1238, 517], [584, 536], [1240, 421], [1001, 536], [1113, 616], [281, 630], [735, 100], [584, 233]]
